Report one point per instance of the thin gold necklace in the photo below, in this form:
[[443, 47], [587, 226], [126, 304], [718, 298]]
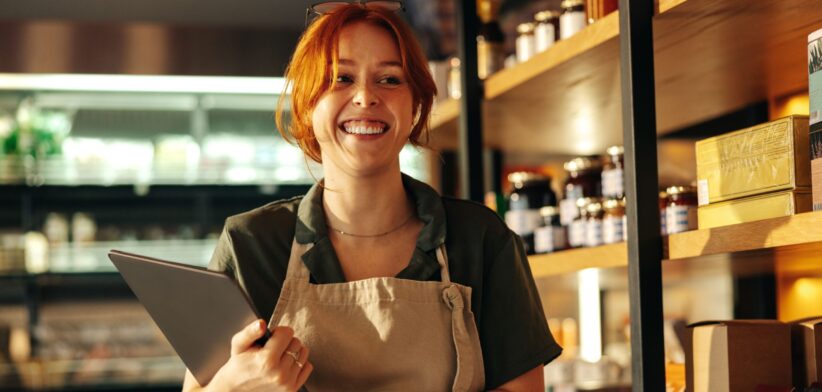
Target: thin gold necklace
[[401, 225]]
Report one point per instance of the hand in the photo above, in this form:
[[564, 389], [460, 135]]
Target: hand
[[268, 368]]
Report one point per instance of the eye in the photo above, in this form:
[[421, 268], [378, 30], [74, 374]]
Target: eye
[[342, 78], [391, 80]]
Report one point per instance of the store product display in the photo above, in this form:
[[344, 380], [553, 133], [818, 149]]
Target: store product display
[[754, 208], [815, 93], [525, 44], [549, 237], [680, 209], [573, 18], [613, 221], [598, 9], [490, 39], [531, 192], [546, 31], [806, 340], [733, 355]]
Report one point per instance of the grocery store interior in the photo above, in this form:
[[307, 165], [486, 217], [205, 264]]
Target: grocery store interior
[[662, 166]]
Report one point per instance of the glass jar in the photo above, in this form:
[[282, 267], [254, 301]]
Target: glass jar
[[613, 183], [593, 215], [680, 209], [551, 236], [525, 42], [573, 18], [454, 83], [530, 192], [613, 221], [576, 228], [545, 31], [583, 180], [663, 207]]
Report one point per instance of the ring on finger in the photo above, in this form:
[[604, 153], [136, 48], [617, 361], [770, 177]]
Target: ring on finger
[[296, 356]]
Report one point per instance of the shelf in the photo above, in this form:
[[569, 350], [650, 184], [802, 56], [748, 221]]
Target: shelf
[[444, 124], [795, 235], [567, 100]]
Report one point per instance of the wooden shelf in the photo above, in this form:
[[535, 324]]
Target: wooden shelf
[[712, 58], [444, 123], [796, 234]]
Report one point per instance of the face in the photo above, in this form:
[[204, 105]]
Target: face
[[363, 122]]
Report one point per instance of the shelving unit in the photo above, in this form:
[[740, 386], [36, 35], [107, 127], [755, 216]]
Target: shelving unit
[[788, 234]]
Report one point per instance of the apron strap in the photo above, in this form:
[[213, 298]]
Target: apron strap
[[463, 347], [442, 259], [296, 268]]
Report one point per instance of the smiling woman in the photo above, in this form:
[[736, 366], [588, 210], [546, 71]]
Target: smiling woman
[[387, 284]]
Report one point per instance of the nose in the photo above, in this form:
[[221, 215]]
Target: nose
[[364, 96]]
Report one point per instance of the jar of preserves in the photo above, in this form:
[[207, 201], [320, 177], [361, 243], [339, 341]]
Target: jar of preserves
[[546, 30], [681, 209], [663, 207], [613, 183], [530, 192], [551, 236], [576, 228], [593, 223], [583, 180], [613, 221], [573, 18], [525, 44]]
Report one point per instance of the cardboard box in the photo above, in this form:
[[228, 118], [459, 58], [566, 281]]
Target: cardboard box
[[806, 338], [754, 208], [815, 92], [761, 159], [738, 355]]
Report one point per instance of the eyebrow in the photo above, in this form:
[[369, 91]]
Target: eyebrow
[[382, 63]]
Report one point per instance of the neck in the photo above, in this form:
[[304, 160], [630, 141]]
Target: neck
[[365, 205]]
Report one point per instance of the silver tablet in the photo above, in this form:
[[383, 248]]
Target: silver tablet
[[198, 310]]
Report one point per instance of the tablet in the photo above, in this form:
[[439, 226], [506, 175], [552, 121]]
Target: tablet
[[198, 310]]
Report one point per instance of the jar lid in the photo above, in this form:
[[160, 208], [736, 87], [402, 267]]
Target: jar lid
[[548, 211], [593, 207], [677, 190], [525, 28], [580, 164], [544, 16], [615, 150], [519, 178], [571, 3], [583, 202], [611, 204]]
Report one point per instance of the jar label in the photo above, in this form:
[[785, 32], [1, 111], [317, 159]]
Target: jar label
[[568, 211], [549, 239], [625, 227], [523, 222], [613, 229], [525, 47], [679, 219], [593, 232], [570, 23], [612, 183], [576, 233]]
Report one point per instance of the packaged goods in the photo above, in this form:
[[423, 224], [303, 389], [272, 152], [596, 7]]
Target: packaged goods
[[815, 87], [613, 179], [593, 223], [806, 336], [545, 32], [531, 192], [573, 18], [761, 159], [551, 236], [490, 40], [613, 222], [598, 9], [526, 46], [738, 355], [680, 209], [754, 208]]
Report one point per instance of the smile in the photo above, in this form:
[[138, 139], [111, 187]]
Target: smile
[[364, 127]]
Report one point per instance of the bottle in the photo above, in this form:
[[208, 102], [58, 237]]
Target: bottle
[[573, 18], [525, 42], [530, 192], [490, 41], [545, 32]]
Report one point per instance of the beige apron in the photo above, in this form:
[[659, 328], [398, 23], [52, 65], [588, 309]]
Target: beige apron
[[383, 333]]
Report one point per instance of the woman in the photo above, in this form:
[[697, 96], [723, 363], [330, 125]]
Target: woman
[[372, 280]]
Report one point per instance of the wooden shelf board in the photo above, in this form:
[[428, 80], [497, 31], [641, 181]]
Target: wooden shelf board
[[711, 58], [444, 123], [572, 260]]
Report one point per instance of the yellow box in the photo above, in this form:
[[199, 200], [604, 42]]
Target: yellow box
[[761, 159], [754, 208]]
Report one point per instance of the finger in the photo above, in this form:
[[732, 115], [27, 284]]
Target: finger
[[277, 343], [291, 356], [304, 373], [243, 340]]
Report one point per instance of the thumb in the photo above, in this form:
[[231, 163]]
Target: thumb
[[243, 340]]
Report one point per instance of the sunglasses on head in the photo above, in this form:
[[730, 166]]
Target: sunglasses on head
[[326, 7]]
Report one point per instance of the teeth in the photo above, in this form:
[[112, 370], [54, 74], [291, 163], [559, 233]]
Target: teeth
[[364, 127]]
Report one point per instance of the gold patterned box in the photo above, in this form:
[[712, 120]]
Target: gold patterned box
[[754, 208], [765, 158]]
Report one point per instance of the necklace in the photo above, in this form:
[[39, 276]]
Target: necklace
[[401, 225]]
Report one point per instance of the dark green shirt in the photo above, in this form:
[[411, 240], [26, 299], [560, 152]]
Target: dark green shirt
[[482, 253]]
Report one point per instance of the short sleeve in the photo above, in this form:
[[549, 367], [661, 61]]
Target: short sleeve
[[224, 259], [514, 331]]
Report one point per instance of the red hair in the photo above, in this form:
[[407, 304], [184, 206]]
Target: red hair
[[314, 66]]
